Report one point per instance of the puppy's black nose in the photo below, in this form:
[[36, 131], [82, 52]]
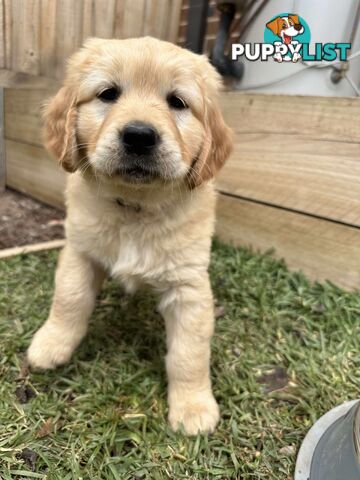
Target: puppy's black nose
[[139, 138], [298, 27]]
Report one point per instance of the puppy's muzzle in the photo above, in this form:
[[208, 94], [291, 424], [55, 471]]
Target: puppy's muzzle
[[139, 139], [139, 163]]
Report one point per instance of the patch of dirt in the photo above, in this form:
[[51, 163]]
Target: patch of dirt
[[24, 393], [29, 457], [24, 221]]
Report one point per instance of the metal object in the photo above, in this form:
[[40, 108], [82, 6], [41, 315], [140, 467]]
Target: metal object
[[331, 448], [196, 28], [222, 62], [250, 13], [339, 73]]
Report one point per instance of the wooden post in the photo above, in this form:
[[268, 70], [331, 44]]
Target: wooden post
[[2, 143]]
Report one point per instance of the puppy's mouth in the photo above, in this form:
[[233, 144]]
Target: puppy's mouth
[[287, 39], [137, 174]]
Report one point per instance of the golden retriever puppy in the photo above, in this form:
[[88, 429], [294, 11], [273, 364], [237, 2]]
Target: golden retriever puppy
[[137, 123]]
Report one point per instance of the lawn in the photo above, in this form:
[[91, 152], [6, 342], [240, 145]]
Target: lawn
[[285, 351]]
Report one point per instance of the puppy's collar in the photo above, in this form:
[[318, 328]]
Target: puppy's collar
[[132, 206]]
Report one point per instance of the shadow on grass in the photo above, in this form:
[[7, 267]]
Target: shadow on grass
[[122, 328], [122, 322]]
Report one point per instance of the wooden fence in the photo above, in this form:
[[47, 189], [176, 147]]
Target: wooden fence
[[291, 185], [37, 36]]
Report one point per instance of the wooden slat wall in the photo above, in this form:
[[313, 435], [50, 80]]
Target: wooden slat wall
[[293, 182], [32, 171], [23, 114], [36, 36], [321, 249], [296, 152], [2, 143], [292, 185]]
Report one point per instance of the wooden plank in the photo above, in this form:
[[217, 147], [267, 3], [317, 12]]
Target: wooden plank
[[48, 38], [17, 36], [2, 35], [323, 250], [11, 79], [23, 114], [31, 170], [133, 18], [173, 25], [26, 36], [325, 118], [69, 24], [2, 144], [8, 24], [37, 247], [88, 19], [297, 172], [119, 19], [150, 23], [162, 18], [104, 18]]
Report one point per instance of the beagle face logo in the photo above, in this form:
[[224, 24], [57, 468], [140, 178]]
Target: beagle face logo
[[288, 32], [287, 39], [286, 27]]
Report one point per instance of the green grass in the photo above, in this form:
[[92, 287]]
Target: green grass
[[104, 415]]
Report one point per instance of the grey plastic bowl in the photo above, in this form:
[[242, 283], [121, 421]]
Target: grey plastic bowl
[[330, 450]]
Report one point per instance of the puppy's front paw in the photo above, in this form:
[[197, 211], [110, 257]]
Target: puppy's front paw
[[49, 348], [201, 415]]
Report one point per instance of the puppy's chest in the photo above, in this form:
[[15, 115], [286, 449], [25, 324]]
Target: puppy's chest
[[140, 259], [137, 254]]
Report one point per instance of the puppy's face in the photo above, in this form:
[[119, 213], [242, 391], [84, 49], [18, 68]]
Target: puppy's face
[[286, 27], [139, 111]]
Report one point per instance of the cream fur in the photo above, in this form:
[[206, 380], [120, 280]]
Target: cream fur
[[165, 245]]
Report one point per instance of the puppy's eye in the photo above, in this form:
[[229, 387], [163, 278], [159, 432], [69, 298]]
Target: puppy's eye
[[176, 102], [109, 94], [284, 25]]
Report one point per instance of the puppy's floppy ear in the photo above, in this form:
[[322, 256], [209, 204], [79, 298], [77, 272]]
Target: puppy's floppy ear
[[294, 18], [60, 128], [274, 25], [218, 142]]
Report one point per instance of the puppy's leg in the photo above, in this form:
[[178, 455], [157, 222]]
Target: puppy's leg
[[189, 317], [77, 282]]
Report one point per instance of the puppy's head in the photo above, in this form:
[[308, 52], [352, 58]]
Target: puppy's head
[[286, 27], [139, 111]]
